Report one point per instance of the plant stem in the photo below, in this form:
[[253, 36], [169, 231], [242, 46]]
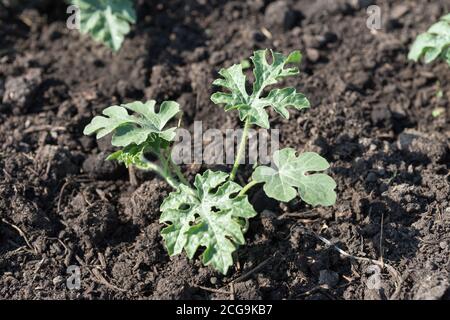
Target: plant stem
[[241, 149], [132, 175], [150, 166], [247, 187], [177, 170]]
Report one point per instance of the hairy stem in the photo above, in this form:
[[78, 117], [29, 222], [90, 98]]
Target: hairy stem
[[150, 166], [241, 149], [132, 175], [177, 170], [247, 187]]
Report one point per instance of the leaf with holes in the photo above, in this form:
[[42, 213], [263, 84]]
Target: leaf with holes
[[107, 21], [433, 44], [253, 107], [208, 216], [290, 176], [144, 125]]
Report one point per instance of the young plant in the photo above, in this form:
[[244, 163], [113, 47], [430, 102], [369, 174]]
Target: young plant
[[214, 212], [433, 44], [107, 21]]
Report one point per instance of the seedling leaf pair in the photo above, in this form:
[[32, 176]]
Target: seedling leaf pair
[[290, 178], [207, 216], [107, 21], [135, 128], [252, 107], [433, 44]]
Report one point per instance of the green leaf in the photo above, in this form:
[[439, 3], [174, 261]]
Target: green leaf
[[209, 216], [253, 106], [144, 125], [130, 155], [291, 175], [107, 21], [434, 43]]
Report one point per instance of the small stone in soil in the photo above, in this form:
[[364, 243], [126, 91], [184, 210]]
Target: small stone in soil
[[247, 290], [312, 54], [431, 287], [97, 166], [19, 91], [280, 15], [422, 147], [329, 278]]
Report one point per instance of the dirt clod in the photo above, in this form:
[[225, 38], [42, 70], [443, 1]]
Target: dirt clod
[[371, 118], [19, 90], [279, 14]]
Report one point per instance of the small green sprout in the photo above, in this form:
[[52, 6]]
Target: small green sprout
[[107, 21], [213, 214], [433, 44], [437, 112]]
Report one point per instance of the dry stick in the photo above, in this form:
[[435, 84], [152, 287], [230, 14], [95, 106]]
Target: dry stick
[[381, 264], [38, 267], [314, 290], [67, 251], [22, 234], [433, 242], [381, 237], [97, 276], [246, 275], [58, 208], [233, 291], [303, 215], [212, 289]]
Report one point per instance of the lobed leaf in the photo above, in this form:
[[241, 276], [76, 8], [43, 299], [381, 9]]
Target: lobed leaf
[[433, 44], [130, 155], [128, 129], [253, 106], [291, 177], [208, 216], [107, 21]]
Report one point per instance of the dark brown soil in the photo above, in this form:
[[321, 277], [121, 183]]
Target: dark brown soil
[[371, 118]]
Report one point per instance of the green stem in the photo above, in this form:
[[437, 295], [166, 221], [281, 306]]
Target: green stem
[[150, 166], [241, 149], [247, 187], [177, 170]]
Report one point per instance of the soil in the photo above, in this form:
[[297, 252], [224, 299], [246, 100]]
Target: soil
[[61, 204]]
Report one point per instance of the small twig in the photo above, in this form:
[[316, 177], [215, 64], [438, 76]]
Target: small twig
[[246, 275], [433, 242], [233, 291], [314, 290], [220, 291], [99, 278], [381, 237], [266, 33], [22, 234], [61, 195], [381, 264], [302, 215], [38, 267]]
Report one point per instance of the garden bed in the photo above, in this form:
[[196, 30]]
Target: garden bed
[[372, 118]]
